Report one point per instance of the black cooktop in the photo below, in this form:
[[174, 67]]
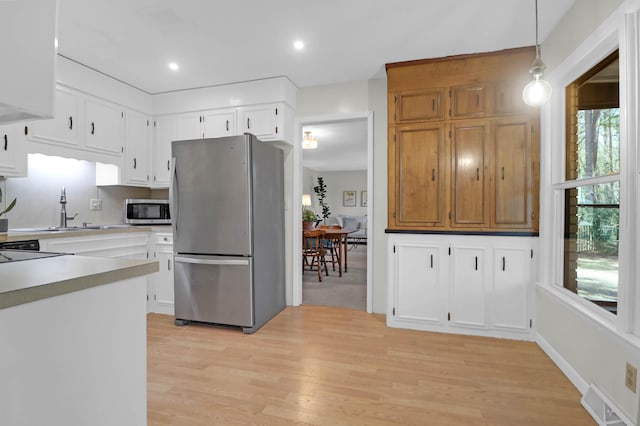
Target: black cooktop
[[7, 256]]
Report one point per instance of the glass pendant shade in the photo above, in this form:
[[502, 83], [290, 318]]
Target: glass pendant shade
[[537, 92]]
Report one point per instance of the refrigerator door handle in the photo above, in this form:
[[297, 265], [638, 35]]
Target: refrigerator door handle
[[211, 261], [173, 205]]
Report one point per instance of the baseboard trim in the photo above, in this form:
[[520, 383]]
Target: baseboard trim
[[562, 364]]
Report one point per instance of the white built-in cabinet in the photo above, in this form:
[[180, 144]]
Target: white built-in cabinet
[[264, 121], [64, 128], [13, 156], [137, 161], [160, 284], [164, 133], [481, 285], [104, 126], [219, 123]]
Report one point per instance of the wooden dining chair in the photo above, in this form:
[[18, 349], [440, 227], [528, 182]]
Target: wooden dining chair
[[313, 252], [331, 245]]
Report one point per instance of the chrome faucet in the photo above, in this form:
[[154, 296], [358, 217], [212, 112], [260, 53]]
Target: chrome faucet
[[63, 210]]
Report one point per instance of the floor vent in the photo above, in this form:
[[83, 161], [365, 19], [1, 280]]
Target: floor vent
[[602, 409]]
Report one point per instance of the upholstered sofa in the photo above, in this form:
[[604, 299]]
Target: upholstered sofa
[[354, 222]]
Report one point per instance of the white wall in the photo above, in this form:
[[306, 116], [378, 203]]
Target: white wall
[[350, 98], [588, 349], [336, 183]]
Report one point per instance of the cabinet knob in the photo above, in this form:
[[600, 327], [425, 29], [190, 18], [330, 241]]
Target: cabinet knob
[[70, 123], [248, 123], [503, 173], [227, 125], [169, 165], [478, 173], [135, 163], [6, 142], [93, 128]]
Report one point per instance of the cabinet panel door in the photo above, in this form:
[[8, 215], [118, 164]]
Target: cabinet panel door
[[418, 283], [137, 148], [468, 297], [103, 127], [512, 277], [165, 133], [470, 143], [513, 173], [260, 121], [421, 172], [164, 295], [13, 155], [188, 127], [469, 101], [508, 98], [64, 128], [419, 105], [219, 123]]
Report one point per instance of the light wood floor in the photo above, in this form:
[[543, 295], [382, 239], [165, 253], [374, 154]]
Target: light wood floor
[[333, 366]]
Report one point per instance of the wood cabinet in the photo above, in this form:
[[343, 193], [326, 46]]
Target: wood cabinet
[[463, 147], [480, 285], [13, 156]]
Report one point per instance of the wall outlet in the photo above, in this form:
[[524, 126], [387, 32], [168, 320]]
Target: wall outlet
[[95, 204], [630, 376]]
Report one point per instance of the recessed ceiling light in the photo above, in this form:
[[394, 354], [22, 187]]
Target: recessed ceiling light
[[299, 45], [173, 66], [55, 42]]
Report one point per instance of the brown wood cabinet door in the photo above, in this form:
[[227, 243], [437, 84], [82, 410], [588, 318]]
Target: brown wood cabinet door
[[508, 98], [421, 170], [469, 101], [469, 155], [419, 105], [513, 173]]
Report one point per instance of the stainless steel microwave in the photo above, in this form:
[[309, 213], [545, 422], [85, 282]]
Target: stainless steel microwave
[[146, 212]]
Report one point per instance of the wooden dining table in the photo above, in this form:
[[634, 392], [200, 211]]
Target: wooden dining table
[[340, 236]]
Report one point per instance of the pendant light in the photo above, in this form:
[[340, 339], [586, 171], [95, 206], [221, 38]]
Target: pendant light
[[538, 91], [308, 142]]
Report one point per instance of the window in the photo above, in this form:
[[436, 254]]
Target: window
[[592, 187]]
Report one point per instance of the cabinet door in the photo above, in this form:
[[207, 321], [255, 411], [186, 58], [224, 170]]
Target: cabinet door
[[420, 177], [470, 148], [164, 296], [468, 296], [64, 128], [261, 121], [137, 144], [512, 279], [418, 285], [508, 98], [217, 124], [13, 155], [469, 101], [188, 127], [419, 105], [104, 129], [164, 134], [513, 173]]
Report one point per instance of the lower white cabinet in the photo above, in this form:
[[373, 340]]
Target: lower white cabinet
[[160, 284], [130, 245], [480, 285]]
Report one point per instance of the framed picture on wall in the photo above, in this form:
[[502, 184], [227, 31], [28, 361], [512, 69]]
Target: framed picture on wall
[[349, 198], [363, 198]]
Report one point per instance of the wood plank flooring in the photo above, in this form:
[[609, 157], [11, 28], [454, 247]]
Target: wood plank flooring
[[331, 366]]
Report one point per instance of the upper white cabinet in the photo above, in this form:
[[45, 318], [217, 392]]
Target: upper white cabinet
[[64, 128], [104, 125], [188, 126], [219, 123], [263, 121], [137, 161], [481, 285], [27, 31], [165, 130], [13, 156]]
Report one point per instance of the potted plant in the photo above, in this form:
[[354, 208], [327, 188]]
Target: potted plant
[[321, 191], [4, 223], [308, 219]]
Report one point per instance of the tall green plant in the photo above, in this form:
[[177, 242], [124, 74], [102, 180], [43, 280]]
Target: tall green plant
[[12, 205], [321, 191]]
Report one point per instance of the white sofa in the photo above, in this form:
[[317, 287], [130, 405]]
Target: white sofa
[[354, 222]]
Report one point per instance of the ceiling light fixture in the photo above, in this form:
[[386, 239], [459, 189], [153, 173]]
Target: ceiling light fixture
[[173, 66], [308, 142], [538, 91], [298, 45]]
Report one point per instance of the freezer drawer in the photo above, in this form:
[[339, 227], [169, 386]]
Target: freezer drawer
[[214, 289]]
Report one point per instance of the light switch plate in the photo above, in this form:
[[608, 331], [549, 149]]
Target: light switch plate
[[95, 204]]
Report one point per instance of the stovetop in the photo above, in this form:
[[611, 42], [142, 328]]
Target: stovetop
[[7, 256]]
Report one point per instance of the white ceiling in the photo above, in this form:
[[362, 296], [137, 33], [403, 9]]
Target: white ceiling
[[218, 42], [342, 145]]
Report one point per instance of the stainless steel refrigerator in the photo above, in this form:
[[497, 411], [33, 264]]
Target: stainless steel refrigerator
[[227, 210]]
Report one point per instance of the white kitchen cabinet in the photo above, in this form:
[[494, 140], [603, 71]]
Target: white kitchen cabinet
[[137, 143], [130, 245], [423, 274], [165, 130], [264, 121], [64, 128], [479, 285], [13, 155], [27, 31], [161, 296], [219, 123], [188, 126], [104, 127]]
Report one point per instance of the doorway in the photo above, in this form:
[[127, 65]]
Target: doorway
[[344, 160]]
